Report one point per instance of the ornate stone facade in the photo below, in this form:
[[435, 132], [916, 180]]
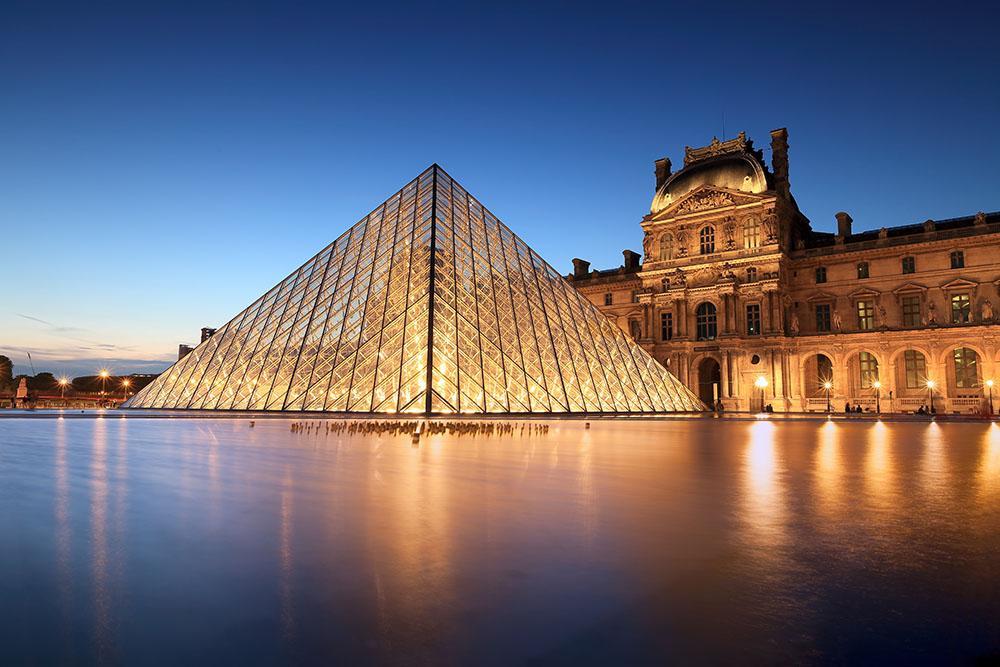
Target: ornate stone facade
[[736, 290]]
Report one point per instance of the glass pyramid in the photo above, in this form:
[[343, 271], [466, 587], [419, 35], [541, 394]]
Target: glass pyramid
[[428, 305]]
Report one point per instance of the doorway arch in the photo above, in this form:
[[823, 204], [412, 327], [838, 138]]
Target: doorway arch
[[709, 381]]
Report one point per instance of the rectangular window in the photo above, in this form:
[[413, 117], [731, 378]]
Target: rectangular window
[[862, 270], [820, 274], [911, 311], [753, 319], [966, 371], [607, 299], [751, 275], [665, 284], [916, 369], [751, 233], [868, 367], [823, 317], [866, 315], [958, 259], [635, 296], [666, 326], [909, 265], [961, 309]]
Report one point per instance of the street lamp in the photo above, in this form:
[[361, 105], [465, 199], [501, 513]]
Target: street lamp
[[828, 386], [930, 393], [989, 383], [125, 384], [877, 386], [62, 387], [761, 383], [104, 379]]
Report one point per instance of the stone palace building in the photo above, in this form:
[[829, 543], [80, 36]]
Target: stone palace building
[[749, 306]]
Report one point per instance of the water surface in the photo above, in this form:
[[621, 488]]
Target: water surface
[[175, 541]]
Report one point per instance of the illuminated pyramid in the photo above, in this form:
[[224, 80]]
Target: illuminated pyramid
[[428, 305]]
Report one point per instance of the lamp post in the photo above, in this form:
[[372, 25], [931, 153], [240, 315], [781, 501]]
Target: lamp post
[[989, 384], [877, 386], [828, 386], [125, 384], [62, 387], [930, 393], [104, 380], [761, 383]]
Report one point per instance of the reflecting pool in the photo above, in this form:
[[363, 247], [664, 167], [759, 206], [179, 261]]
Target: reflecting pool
[[183, 540]]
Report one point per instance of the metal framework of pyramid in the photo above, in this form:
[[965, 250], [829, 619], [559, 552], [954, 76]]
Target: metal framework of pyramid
[[427, 305]]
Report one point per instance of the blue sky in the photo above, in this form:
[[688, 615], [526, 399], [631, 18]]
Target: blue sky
[[162, 166]]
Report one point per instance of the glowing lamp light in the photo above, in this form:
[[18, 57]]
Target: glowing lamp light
[[876, 384], [104, 373], [63, 382], [827, 385], [126, 383], [989, 383], [760, 382], [931, 384]]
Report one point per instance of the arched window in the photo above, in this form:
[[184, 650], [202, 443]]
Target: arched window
[[916, 369], [705, 321], [751, 233], [966, 368], [867, 369], [706, 240], [824, 370], [665, 243]]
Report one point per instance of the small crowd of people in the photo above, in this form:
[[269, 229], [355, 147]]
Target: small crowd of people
[[417, 428], [924, 410]]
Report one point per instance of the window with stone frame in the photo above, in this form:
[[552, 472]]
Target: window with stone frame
[[705, 321], [666, 326], [867, 369], [916, 369], [866, 314], [961, 309], [753, 319], [820, 274], [751, 233], [608, 299], [665, 284], [823, 317], [966, 368], [862, 270], [706, 240], [911, 311], [751, 274], [957, 259], [909, 264]]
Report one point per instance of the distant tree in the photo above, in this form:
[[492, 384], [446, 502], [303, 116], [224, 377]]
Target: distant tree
[[6, 373], [42, 382]]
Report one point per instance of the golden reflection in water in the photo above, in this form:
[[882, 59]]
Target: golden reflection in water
[[121, 486], [287, 561], [878, 470], [99, 541], [989, 466], [587, 489], [933, 466], [64, 535], [764, 513], [829, 474]]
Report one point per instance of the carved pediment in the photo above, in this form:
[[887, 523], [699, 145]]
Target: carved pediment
[[822, 296], [707, 198], [909, 288], [863, 292], [960, 284]]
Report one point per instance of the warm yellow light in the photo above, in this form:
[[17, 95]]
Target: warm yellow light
[[63, 382], [827, 385], [126, 383], [104, 373], [760, 382], [989, 383], [876, 384], [930, 384]]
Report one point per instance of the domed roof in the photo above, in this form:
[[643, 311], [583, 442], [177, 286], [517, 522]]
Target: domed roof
[[740, 170]]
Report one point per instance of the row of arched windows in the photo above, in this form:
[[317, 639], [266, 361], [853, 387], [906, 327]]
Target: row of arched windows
[[964, 361]]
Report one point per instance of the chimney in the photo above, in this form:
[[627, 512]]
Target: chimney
[[206, 333], [844, 224], [631, 260], [662, 171], [779, 161], [183, 351], [580, 268]]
